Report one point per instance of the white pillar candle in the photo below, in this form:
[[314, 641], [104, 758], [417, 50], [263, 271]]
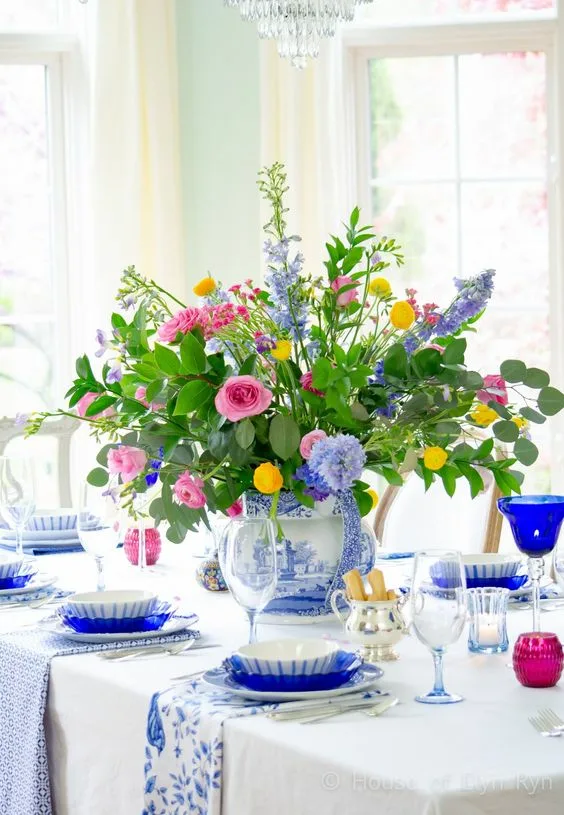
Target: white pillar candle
[[487, 630]]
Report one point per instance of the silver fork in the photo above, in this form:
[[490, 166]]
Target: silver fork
[[157, 650], [374, 710], [552, 718], [544, 727]]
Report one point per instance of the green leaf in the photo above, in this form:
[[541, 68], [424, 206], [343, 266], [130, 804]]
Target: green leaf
[[536, 378], [146, 371], [218, 444], [193, 396], [506, 481], [99, 405], [501, 410], [84, 370], [450, 429], [98, 477], [248, 365], [284, 436], [355, 215], [102, 456], [525, 451], [484, 450], [454, 352], [396, 362], [353, 257], [166, 360], [238, 455], [472, 476], [513, 370], [532, 415], [471, 380], [448, 476], [363, 500], [322, 369], [245, 433], [298, 488], [550, 401], [392, 476], [426, 362], [506, 431], [156, 510], [192, 355], [428, 477]]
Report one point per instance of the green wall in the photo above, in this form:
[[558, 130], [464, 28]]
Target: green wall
[[219, 86]]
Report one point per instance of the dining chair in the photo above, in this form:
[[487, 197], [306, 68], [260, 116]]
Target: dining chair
[[410, 519], [60, 430]]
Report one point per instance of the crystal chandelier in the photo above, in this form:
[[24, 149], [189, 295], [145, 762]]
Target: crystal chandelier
[[297, 25]]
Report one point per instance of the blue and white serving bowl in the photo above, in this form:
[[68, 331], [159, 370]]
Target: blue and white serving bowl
[[291, 657], [63, 519], [111, 605], [345, 668], [10, 565], [160, 615], [19, 580], [486, 570]]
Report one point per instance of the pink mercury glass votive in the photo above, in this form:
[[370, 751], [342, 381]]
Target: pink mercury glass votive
[[152, 546], [538, 659]]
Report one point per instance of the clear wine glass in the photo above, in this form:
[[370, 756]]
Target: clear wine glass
[[438, 611], [99, 521], [247, 557], [17, 494]]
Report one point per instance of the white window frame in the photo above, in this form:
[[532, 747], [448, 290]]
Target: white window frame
[[59, 53], [540, 31]]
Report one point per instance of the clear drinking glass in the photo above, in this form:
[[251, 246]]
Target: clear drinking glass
[[438, 611], [247, 556], [98, 525], [487, 609], [17, 494]]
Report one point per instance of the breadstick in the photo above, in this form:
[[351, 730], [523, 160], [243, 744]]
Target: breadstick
[[378, 585], [354, 585], [392, 595]]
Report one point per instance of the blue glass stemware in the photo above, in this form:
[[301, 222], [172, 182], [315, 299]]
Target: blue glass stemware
[[535, 522]]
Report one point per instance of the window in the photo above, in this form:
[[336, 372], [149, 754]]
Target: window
[[455, 123], [33, 234]]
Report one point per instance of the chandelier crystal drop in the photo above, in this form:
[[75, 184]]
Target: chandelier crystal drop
[[298, 26]]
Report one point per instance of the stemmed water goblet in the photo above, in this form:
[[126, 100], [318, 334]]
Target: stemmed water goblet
[[438, 611], [535, 522], [247, 556], [17, 494], [98, 526]]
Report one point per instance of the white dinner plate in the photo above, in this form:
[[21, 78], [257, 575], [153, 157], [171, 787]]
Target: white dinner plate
[[40, 581], [174, 626], [39, 534], [220, 679]]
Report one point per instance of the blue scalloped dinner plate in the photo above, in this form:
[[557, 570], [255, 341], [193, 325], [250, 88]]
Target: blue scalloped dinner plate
[[294, 683], [125, 625]]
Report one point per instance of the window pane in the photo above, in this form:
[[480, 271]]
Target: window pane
[[503, 115], [423, 218], [412, 134], [505, 5], [26, 367], [25, 251], [406, 11], [25, 14]]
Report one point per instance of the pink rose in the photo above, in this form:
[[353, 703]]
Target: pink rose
[[306, 381], [140, 395], [242, 396], [494, 390], [127, 462], [309, 440], [188, 490], [83, 404], [184, 321], [346, 297], [235, 509]]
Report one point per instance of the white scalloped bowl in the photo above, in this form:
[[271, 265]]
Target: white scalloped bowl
[[291, 657], [115, 605], [10, 565]]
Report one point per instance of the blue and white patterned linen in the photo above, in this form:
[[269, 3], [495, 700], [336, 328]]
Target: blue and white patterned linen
[[25, 657], [184, 750], [30, 596]]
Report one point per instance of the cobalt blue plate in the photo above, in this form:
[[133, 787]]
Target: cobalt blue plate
[[297, 683], [17, 581], [511, 583], [125, 625]]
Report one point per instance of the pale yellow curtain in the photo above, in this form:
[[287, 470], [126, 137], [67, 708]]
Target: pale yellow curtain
[[134, 144], [304, 125]]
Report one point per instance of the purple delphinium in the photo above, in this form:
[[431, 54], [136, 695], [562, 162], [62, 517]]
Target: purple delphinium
[[339, 460], [264, 343], [316, 487], [155, 465], [473, 296], [389, 411], [379, 373], [289, 308]]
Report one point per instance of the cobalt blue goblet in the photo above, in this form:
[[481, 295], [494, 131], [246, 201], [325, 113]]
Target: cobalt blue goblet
[[535, 521]]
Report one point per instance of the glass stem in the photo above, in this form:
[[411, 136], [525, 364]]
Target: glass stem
[[19, 541], [142, 554], [536, 571], [252, 626], [101, 585], [438, 687]]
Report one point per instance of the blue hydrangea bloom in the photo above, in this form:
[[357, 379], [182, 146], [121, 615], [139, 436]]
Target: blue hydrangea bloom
[[339, 460]]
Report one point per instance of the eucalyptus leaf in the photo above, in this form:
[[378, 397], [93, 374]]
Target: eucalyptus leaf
[[525, 451], [536, 378], [98, 477], [245, 433], [532, 415], [550, 401], [513, 370], [506, 431], [284, 436]]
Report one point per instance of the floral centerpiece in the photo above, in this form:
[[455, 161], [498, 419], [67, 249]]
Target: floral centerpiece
[[299, 384]]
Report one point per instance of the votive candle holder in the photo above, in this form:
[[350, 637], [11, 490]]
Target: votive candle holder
[[488, 620], [538, 659]]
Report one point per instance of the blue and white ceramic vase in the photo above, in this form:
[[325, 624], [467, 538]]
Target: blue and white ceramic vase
[[319, 546]]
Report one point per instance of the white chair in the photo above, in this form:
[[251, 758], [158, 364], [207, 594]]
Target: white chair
[[410, 519], [61, 431]]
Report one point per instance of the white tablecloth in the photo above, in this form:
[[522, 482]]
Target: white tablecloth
[[480, 756]]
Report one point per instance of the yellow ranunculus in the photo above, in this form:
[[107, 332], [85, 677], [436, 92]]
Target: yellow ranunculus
[[267, 478], [402, 315], [282, 350], [520, 422], [379, 286], [483, 415], [434, 458], [375, 497], [205, 286]]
